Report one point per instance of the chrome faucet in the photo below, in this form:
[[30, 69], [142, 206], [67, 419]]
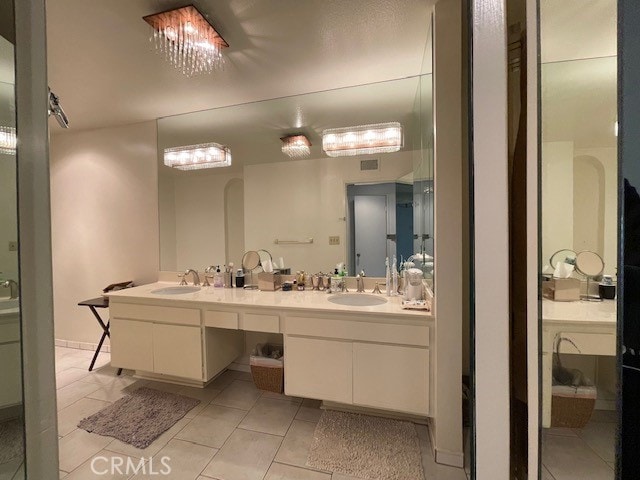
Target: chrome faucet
[[209, 269], [360, 282], [196, 277], [13, 285]]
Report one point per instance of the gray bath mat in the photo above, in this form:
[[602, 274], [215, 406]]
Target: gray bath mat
[[366, 447], [140, 417], [11, 440]]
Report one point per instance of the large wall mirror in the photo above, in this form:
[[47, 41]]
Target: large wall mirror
[[313, 212], [579, 242], [11, 407]]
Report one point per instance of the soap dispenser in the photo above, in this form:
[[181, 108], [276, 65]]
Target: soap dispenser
[[218, 278]]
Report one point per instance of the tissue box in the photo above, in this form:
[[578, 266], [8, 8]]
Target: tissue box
[[565, 289], [269, 281]]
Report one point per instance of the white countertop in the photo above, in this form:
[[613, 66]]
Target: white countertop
[[581, 312], [305, 300]]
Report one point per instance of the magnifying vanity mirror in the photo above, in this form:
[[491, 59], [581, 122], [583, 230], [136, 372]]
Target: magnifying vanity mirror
[[250, 261], [310, 212], [591, 265]]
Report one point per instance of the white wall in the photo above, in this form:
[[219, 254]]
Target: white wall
[[307, 199], [557, 198], [104, 204]]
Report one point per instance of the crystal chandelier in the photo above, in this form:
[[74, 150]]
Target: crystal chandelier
[[296, 146], [187, 40], [8, 140], [197, 157], [362, 140]]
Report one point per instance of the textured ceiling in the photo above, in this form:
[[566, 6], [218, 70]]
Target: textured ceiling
[[102, 66]]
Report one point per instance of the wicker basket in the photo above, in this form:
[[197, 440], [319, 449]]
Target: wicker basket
[[572, 408], [268, 373], [268, 378]]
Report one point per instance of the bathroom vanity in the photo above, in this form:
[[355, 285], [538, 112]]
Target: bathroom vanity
[[591, 326], [369, 356], [10, 353]]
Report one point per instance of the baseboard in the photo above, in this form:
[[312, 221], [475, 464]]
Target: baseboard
[[451, 459], [82, 345], [341, 407], [11, 412]]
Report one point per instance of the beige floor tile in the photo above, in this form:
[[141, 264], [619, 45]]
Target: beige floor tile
[[270, 416], [108, 375], [569, 458], [245, 376], [117, 446], [20, 473], [295, 446], [239, 394], [115, 390], [213, 426], [74, 392], [69, 417], [278, 471], [280, 396], [339, 476], [79, 446], [564, 432], [309, 411], [544, 473], [601, 437], [9, 469], [245, 456], [70, 375], [186, 461], [205, 395], [608, 416], [63, 474], [106, 465], [223, 380]]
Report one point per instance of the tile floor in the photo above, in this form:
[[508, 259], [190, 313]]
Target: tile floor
[[581, 454], [236, 433]]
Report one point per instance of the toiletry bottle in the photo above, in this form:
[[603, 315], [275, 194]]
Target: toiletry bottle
[[394, 277], [218, 278], [228, 282], [387, 277], [240, 278]]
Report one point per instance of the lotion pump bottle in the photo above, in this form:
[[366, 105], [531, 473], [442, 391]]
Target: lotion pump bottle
[[387, 277], [394, 277], [218, 278]]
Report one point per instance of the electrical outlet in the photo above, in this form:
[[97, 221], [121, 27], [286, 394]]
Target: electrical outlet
[[334, 240], [13, 246]]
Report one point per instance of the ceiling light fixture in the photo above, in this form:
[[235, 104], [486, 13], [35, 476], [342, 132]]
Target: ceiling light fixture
[[187, 40], [296, 146], [363, 139], [197, 157], [8, 140]]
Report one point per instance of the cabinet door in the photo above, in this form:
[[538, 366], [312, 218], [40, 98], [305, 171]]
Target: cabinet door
[[10, 374], [132, 344], [391, 377], [177, 351], [317, 368]]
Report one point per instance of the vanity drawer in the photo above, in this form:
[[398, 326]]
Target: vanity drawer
[[589, 343], [152, 313], [261, 323], [221, 319], [417, 335]]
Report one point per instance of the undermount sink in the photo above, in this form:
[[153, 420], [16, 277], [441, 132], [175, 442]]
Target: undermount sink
[[175, 290], [357, 299]]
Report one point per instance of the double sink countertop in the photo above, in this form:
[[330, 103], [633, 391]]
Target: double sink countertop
[[317, 301]]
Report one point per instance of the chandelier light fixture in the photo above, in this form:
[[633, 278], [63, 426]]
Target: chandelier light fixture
[[296, 146], [197, 157], [363, 139], [8, 140], [187, 40]]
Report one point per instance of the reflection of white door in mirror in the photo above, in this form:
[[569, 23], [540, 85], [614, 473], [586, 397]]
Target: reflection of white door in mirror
[[234, 220], [370, 233]]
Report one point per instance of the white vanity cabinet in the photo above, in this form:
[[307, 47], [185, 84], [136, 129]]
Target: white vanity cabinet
[[358, 362], [158, 340]]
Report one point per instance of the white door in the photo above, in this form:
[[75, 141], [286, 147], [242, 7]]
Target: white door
[[370, 234]]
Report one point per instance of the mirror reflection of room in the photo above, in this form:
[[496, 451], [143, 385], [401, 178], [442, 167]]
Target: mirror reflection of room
[[11, 407], [579, 181]]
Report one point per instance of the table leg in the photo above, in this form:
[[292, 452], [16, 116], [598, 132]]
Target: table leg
[[95, 355]]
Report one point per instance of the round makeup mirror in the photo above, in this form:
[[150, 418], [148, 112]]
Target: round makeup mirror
[[250, 261], [591, 265], [265, 257], [562, 256]]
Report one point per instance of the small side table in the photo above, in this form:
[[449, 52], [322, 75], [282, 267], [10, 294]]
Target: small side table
[[93, 303]]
